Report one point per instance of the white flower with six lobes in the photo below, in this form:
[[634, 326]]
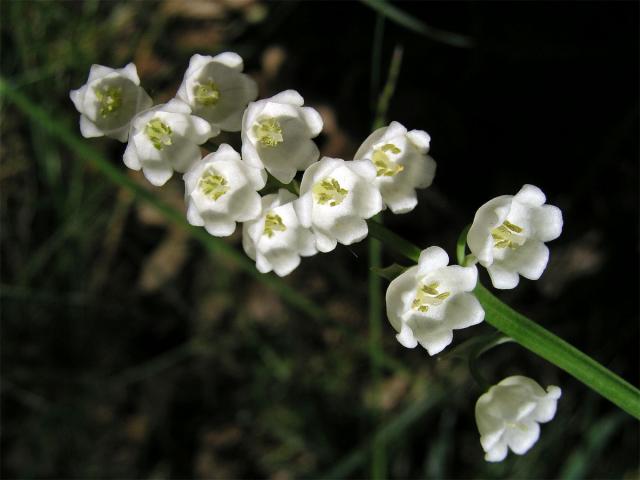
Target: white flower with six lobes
[[276, 240], [508, 234], [428, 301], [216, 89], [335, 199], [401, 162], [509, 413], [109, 100], [221, 190], [165, 139], [277, 133]]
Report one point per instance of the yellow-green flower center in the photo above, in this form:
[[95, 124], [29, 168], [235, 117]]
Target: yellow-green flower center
[[385, 167], [159, 133], [508, 235], [269, 132], [109, 98], [428, 296], [273, 223], [213, 185], [329, 191], [207, 94]]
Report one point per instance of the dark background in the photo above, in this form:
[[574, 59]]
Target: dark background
[[128, 352]]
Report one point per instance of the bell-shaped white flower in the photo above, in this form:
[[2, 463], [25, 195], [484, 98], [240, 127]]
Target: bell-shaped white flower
[[277, 133], [109, 100], [335, 199], [216, 89], [221, 190], [401, 162], [276, 240], [508, 234], [428, 301], [509, 413], [165, 139]]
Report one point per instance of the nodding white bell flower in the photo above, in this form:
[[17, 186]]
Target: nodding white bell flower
[[429, 300], [277, 133], [509, 413], [165, 139], [221, 190], [335, 199], [216, 89], [276, 240], [508, 234], [109, 100], [401, 162]]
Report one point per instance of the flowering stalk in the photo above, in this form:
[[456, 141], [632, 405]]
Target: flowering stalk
[[531, 335]]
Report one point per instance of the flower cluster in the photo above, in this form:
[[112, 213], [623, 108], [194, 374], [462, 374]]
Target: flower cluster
[[327, 204], [333, 197]]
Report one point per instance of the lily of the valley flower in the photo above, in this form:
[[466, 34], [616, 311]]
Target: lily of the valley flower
[[216, 89], [277, 133], [109, 100], [508, 234], [428, 301], [508, 415], [165, 139], [221, 190], [276, 240], [335, 199], [401, 162]]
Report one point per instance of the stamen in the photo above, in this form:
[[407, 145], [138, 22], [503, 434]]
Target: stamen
[[110, 99], [273, 223], [329, 191], [213, 185], [508, 235], [385, 167], [269, 132], [428, 296], [207, 93], [159, 133]]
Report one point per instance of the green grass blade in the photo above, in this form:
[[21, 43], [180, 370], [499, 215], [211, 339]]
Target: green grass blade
[[410, 22], [534, 337], [61, 132]]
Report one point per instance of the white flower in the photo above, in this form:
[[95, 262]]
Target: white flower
[[335, 199], [277, 133], [221, 190], [508, 415], [401, 162], [216, 89], [276, 240], [109, 100], [508, 234], [428, 301], [166, 138]]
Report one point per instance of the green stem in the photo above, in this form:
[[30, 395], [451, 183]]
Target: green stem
[[532, 336]]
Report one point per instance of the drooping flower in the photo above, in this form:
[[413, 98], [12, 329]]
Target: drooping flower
[[277, 133], [216, 89], [109, 100], [508, 234], [165, 139], [276, 240], [509, 413], [335, 199], [401, 162], [430, 300], [221, 190]]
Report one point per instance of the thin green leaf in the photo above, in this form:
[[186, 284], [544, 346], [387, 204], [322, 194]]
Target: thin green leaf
[[410, 22]]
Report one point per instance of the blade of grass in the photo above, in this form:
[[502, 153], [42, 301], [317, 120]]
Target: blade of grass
[[416, 25], [390, 431], [60, 131], [378, 460]]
